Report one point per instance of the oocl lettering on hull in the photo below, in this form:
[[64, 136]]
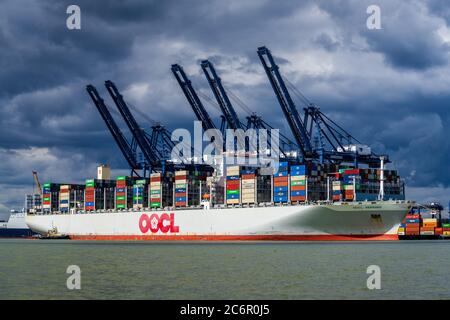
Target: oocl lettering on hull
[[155, 222]]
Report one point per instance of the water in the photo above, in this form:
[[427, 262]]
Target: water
[[36, 269]]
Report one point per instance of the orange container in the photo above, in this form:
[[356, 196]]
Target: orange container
[[438, 231], [298, 188], [280, 179], [427, 228], [280, 184]]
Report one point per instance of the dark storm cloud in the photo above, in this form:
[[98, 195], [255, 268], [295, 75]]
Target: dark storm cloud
[[389, 87]]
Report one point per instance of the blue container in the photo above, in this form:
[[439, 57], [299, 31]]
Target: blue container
[[283, 164], [232, 177], [120, 189], [279, 199], [298, 173], [412, 220], [298, 168], [180, 190], [248, 171], [336, 192], [280, 189], [180, 199], [280, 194], [89, 204], [232, 196], [280, 174], [298, 193], [64, 201]]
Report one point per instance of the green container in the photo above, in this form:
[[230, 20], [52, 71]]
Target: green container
[[180, 185], [47, 185], [120, 206], [90, 185], [140, 182], [46, 199], [298, 183], [446, 225], [120, 198], [155, 191], [155, 204], [137, 198], [121, 178], [232, 191]]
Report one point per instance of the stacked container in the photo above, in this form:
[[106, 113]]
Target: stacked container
[[99, 194], [264, 187], [281, 184], [155, 193], [89, 195], [412, 225], [140, 194], [428, 227], [124, 192], [446, 229], [298, 183], [350, 183], [248, 178], [336, 190], [50, 197], [70, 196], [233, 185], [64, 198], [181, 195]]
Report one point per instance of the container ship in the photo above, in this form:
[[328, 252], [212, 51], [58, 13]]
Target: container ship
[[328, 185], [296, 203]]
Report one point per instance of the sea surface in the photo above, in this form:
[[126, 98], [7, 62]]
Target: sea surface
[[36, 269]]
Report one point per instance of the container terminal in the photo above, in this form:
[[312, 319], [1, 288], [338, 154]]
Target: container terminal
[[327, 185]]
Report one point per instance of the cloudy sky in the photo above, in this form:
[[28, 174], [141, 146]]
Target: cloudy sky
[[389, 87]]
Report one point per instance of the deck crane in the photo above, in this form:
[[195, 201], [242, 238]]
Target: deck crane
[[154, 146], [37, 183], [330, 136], [192, 97], [128, 149], [221, 96], [253, 121], [138, 133], [286, 102]]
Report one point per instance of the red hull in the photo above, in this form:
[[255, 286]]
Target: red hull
[[380, 237]]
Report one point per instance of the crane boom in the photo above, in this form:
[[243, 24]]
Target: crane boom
[[221, 96], [36, 180], [285, 101], [192, 97], [132, 124], [117, 134]]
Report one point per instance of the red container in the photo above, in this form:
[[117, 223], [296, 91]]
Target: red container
[[180, 178], [412, 216], [180, 204], [248, 176], [438, 231], [180, 194], [351, 172], [298, 188], [233, 187], [157, 179], [280, 179], [155, 199]]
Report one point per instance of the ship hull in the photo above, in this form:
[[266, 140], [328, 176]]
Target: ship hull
[[354, 221]]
